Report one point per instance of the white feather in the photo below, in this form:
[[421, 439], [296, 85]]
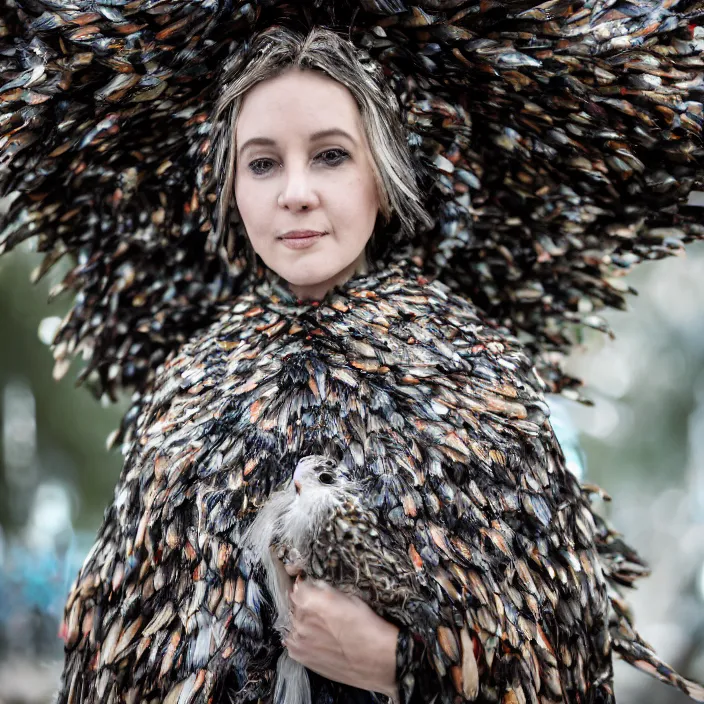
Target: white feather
[[292, 518]]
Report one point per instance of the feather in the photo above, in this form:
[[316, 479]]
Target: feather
[[540, 199], [487, 548]]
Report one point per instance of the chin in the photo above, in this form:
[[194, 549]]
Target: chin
[[311, 270]]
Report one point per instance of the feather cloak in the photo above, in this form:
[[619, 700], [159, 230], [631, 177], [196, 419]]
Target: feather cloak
[[442, 417]]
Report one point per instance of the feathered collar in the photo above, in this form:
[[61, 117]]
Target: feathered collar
[[266, 284]]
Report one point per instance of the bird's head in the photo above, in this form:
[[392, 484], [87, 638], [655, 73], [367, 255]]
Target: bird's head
[[318, 486], [314, 471], [317, 477]]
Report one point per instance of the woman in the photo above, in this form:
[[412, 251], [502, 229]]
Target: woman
[[338, 345]]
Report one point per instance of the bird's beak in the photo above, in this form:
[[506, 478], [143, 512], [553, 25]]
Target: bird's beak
[[297, 484]]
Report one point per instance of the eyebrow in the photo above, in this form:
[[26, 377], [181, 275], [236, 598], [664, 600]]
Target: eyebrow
[[321, 134]]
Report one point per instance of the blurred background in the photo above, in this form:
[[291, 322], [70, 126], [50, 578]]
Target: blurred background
[[642, 441]]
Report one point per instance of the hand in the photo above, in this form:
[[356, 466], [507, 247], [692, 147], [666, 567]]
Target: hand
[[341, 638]]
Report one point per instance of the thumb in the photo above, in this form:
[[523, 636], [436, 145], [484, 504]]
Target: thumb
[[294, 569]]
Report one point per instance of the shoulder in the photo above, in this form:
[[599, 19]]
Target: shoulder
[[419, 310]]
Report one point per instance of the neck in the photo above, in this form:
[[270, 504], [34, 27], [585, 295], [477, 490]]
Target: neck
[[317, 292]]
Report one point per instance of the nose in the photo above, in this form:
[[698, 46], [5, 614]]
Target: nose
[[297, 484], [298, 192]]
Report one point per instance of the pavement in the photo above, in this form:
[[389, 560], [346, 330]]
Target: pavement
[[24, 681]]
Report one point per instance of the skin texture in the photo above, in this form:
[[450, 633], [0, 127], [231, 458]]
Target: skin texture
[[340, 637], [301, 182]]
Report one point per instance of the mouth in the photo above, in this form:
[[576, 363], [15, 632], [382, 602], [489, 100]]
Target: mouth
[[301, 239]]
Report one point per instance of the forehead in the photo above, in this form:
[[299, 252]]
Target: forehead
[[297, 101]]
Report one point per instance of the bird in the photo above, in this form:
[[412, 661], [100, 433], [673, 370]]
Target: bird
[[319, 522]]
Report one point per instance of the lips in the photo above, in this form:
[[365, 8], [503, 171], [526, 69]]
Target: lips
[[301, 234], [301, 239]]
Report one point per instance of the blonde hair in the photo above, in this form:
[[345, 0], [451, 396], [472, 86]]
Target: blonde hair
[[277, 49]]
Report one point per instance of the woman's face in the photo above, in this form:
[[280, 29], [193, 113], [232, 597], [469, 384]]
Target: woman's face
[[303, 166]]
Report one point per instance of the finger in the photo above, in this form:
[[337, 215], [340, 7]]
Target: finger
[[291, 641], [301, 600], [294, 569], [300, 591], [323, 586]]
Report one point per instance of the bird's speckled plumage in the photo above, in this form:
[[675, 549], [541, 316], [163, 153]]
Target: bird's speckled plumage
[[320, 521], [441, 419]]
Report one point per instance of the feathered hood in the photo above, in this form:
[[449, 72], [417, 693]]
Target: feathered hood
[[558, 143]]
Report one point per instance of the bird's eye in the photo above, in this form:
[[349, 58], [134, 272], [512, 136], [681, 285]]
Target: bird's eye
[[326, 478]]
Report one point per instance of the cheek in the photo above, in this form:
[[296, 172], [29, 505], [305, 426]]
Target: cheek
[[363, 189], [245, 202], [356, 204], [253, 209], [369, 198]]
